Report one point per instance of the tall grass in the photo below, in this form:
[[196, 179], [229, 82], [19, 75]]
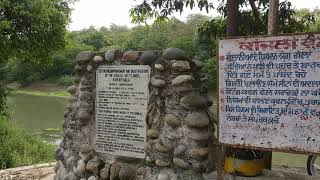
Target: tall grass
[[18, 147]]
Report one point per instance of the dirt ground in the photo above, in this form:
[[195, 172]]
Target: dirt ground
[[36, 172]]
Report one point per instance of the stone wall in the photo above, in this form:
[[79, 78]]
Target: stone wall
[[179, 129]]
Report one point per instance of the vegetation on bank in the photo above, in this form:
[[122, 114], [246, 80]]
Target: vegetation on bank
[[18, 147], [62, 94]]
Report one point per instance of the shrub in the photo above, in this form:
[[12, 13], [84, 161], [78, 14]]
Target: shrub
[[18, 147], [66, 80], [210, 68]]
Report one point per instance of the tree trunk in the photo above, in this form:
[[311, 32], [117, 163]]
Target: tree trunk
[[232, 17], [273, 17]]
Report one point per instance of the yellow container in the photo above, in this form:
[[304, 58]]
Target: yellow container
[[242, 167]]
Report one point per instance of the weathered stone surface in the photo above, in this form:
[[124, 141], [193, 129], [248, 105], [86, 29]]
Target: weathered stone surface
[[162, 163], [110, 55], [180, 149], [104, 173], [148, 57], [199, 135], [180, 163], [85, 56], [72, 89], [172, 120], [83, 116], [81, 168], [59, 154], [197, 119], [85, 95], [181, 66], [93, 165], [174, 53], [141, 171], [157, 82], [147, 147], [159, 67], [71, 176], [61, 172], [193, 102], [85, 148], [182, 79], [114, 172], [199, 154], [89, 68], [152, 133], [163, 176], [197, 63], [98, 59], [130, 56], [126, 172], [162, 148], [199, 166], [92, 178]]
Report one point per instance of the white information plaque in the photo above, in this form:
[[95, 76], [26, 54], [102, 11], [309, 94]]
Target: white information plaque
[[121, 108]]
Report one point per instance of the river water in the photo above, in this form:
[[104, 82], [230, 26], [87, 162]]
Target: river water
[[41, 115]]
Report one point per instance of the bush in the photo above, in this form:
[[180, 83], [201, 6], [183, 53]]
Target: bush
[[66, 80], [210, 68], [18, 147]]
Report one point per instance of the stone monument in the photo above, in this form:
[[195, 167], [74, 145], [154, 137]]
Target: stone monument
[[136, 115]]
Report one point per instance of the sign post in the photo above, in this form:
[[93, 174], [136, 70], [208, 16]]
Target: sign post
[[269, 93]]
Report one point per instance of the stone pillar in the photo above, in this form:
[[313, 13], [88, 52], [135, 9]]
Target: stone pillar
[[178, 124]]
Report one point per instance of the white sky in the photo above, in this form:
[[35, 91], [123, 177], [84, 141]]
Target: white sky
[[100, 13]]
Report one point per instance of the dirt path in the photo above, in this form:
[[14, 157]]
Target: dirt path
[[33, 172]]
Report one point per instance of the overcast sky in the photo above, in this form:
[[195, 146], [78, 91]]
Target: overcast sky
[[100, 13]]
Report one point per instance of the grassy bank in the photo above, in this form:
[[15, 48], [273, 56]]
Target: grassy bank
[[62, 93], [18, 147]]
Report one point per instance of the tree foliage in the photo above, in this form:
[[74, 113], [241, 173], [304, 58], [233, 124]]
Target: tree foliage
[[31, 30]]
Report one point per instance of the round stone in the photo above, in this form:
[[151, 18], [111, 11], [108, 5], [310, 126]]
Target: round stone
[[199, 154], [93, 165], [197, 119], [197, 63], [157, 82], [159, 67], [92, 178], [180, 163], [85, 56], [104, 173], [110, 55], [147, 147], [72, 89], [125, 172], [199, 135], [180, 149], [181, 66], [163, 176], [152, 133], [89, 68], [172, 120], [162, 163], [162, 148], [174, 53], [148, 57], [182, 79], [193, 102], [84, 116], [81, 168], [130, 56], [98, 59], [114, 172]]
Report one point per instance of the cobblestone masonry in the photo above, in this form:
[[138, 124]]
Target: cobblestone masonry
[[178, 125]]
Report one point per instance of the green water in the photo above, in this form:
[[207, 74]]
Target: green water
[[38, 113]]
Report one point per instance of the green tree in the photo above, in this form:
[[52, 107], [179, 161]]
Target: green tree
[[31, 30]]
